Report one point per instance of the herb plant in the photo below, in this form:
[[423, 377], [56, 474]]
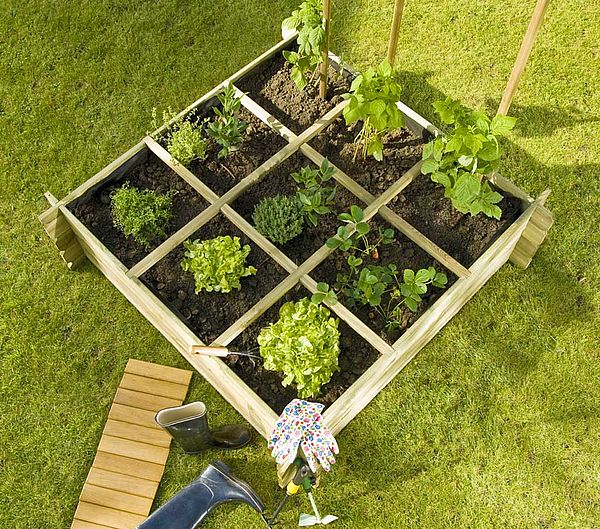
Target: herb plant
[[279, 218], [308, 21], [228, 129], [184, 141], [303, 345], [141, 214], [217, 264], [372, 100], [315, 198], [462, 159]]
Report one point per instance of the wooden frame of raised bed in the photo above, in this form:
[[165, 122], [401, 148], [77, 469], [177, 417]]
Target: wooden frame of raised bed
[[74, 241]]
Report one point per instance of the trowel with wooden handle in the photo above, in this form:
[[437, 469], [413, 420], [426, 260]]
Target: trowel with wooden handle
[[221, 351]]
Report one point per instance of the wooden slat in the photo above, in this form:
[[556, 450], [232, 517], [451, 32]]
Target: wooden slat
[[144, 401], [139, 471], [105, 516], [133, 449], [116, 499], [153, 387], [166, 373], [134, 432], [80, 524], [122, 482], [133, 415]]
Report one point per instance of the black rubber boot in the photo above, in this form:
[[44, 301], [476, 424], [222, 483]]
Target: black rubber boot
[[188, 425], [188, 508]]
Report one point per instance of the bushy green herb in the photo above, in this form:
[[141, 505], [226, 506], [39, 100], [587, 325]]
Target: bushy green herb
[[217, 264], [373, 97], [308, 21], [303, 345], [141, 214], [315, 198], [184, 140], [461, 159], [228, 129], [279, 218]]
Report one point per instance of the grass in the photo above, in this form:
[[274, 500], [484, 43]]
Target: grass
[[496, 423]]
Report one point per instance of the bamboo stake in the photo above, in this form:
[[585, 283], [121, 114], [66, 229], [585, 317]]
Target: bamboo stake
[[393, 44], [526, 46], [325, 62]]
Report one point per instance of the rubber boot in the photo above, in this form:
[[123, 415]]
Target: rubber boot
[[190, 506], [188, 425]]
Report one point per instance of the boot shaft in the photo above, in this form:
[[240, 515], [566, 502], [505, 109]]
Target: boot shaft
[[187, 425]]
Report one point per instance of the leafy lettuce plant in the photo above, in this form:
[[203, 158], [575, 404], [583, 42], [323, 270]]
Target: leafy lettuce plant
[[217, 264], [308, 21], [462, 159], [315, 198], [184, 140], [372, 100], [228, 129], [303, 345]]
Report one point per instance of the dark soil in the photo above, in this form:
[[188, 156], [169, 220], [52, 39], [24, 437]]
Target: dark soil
[[464, 237], [95, 212], [208, 314], [356, 356], [271, 87], [279, 181], [404, 254], [402, 150], [260, 143]]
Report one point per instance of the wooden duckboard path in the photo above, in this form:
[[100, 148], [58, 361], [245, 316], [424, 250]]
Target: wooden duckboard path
[[121, 485]]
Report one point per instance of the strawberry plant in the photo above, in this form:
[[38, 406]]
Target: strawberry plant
[[308, 21], [462, 159], [372, 100], [228, 129], [315, 198]]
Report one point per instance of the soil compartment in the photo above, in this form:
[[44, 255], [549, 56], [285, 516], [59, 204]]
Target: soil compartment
[[208, 314], [271, 87], [280, 181], [94, 210], [356, 356]]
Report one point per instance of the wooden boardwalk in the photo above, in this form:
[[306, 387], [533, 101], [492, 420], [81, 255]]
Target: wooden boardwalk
[[121, 485]]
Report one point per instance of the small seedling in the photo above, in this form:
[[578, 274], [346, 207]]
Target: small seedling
[[279, 218], [228, 129], [315, 198], [184, 140]]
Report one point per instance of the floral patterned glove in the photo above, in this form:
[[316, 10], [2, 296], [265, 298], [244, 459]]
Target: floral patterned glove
[[301, 424]]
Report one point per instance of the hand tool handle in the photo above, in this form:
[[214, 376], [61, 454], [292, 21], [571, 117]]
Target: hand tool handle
[[207, 350]]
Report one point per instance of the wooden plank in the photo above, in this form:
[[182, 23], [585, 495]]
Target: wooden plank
[[166, 373], [135, 432], [133, 449], [105, 465], [122, 483], [114, 499], [80, 524], [154, 387], [144, 401], [105, 516], [133, 415]]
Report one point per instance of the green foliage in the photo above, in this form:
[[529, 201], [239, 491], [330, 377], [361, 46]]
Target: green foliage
[[353, 234], [373, 97], [324, 294], [141, 214], [279, 218], [184, 140], [303, 345], [314, 197], [228, 129], [308, 21], [217, 264], [461, 159]]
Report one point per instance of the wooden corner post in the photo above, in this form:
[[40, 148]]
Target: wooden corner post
[[324, 67], [393, 44], [526, 47]]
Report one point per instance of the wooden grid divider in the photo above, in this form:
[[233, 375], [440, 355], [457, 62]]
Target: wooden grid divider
[[121, 485]]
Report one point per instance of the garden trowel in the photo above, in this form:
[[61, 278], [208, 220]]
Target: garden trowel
[[221, 351], [307, 520]]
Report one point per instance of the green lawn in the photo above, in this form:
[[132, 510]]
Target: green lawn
[[494, 425]]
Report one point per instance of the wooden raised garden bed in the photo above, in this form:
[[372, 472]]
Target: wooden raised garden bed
[[211, 201]]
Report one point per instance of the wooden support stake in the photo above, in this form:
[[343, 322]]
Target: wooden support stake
[[393, 44], [324, 67], [530, 35]]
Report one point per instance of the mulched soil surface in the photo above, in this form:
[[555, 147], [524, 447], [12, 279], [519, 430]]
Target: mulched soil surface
[[279, 181], [271, 87], [208, 314], [95, 212], [464, 237], [356, 356]]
